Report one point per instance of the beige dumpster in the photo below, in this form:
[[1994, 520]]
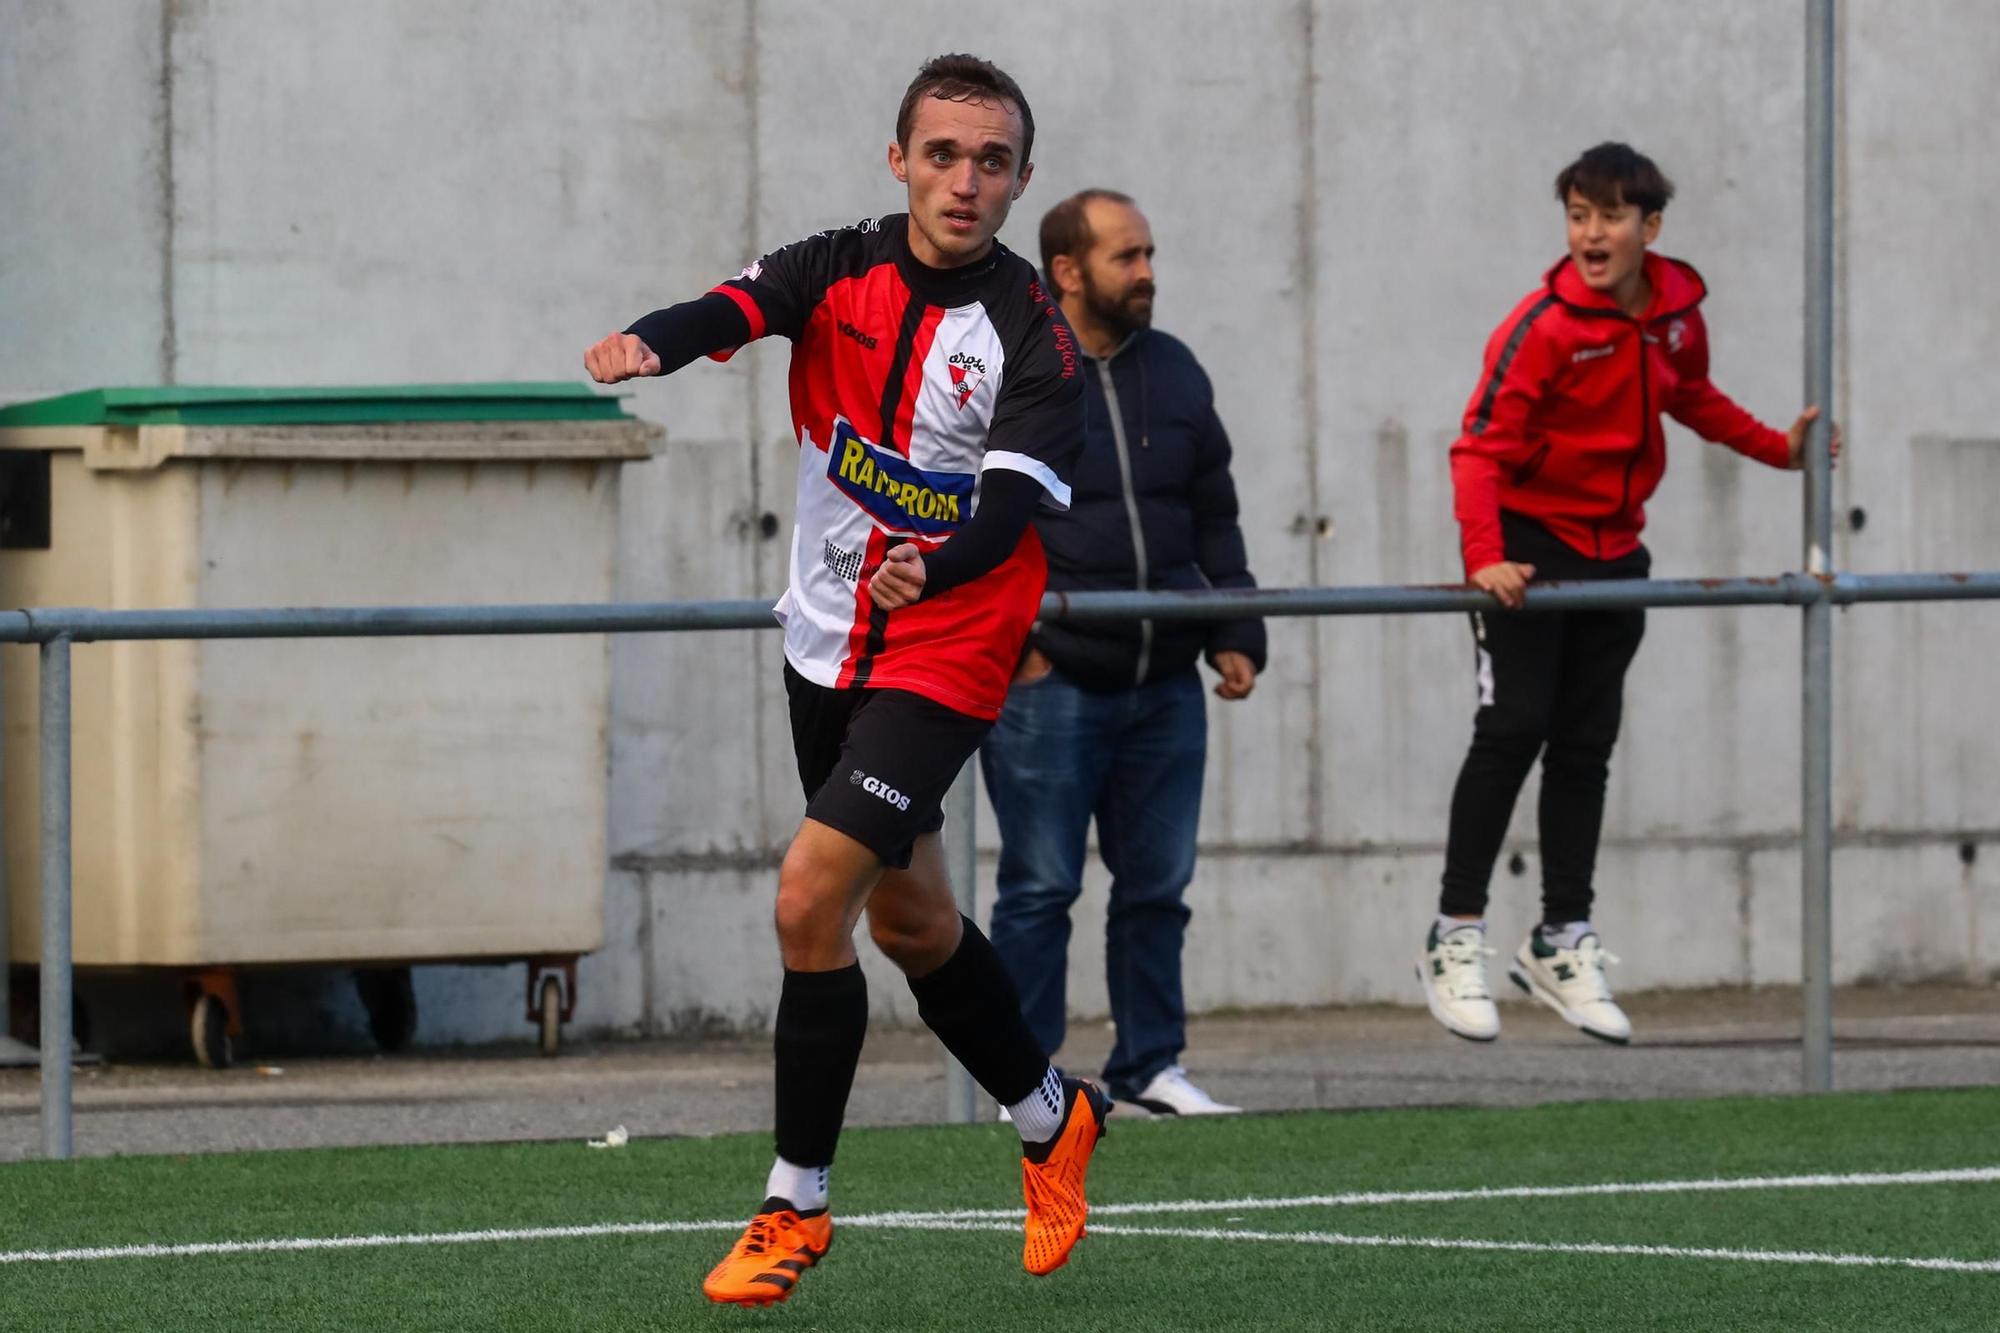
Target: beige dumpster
[[365, 802]]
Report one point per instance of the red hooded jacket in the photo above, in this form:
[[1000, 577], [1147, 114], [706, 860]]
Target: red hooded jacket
[[1565, 426]]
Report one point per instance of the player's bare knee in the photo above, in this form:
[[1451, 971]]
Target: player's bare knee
[[807, 873], [902, 941], [917, 943], [893, 938], [807, 915]]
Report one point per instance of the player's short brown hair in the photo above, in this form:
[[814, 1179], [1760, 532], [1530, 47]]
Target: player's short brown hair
[[964, 78], [1066, 227], [1615, 173]]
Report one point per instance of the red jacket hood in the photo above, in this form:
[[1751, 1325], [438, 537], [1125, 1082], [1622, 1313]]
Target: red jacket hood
[[1677, 289]]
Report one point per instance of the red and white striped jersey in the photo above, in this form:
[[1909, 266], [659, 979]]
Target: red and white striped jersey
[[908, 382]]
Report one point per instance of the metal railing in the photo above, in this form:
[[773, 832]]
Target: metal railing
[[57, 630]]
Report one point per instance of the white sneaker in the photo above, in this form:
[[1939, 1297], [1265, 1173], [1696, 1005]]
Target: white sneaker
[[1453, 970], [1170, 1093], [1571, 982]]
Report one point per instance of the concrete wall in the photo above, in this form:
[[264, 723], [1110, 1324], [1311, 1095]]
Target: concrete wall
[[1347, 197]]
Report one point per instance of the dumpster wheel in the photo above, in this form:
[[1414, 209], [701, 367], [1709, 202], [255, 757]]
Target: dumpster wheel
[[208, 1027], [551, 997], [551, 1016]]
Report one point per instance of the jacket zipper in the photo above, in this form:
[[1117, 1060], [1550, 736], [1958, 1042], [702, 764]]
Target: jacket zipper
[[1131, 512]]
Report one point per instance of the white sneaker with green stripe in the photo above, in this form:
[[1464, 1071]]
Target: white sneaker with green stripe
[[1571, 982], [1452, 968]]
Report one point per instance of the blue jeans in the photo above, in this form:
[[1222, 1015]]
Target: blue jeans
[[1133, 759]]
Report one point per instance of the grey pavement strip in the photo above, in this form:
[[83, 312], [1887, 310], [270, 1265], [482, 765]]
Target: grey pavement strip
[[1688, 1044]]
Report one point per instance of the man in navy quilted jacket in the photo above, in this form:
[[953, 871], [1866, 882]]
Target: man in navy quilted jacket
[[1108, 719]]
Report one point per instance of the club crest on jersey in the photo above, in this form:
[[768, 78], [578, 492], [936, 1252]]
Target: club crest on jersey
[[897, 494], [967, 371]]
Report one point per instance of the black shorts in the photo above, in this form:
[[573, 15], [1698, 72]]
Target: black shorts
[[876, 764]]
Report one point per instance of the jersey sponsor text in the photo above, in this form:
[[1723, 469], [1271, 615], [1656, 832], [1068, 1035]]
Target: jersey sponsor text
[[896, 493]]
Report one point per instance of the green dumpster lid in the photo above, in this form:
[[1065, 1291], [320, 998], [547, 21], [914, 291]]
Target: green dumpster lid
[[190, 405]]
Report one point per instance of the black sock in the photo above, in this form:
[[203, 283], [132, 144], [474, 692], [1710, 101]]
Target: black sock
[[822, 1020], [973, 1007]]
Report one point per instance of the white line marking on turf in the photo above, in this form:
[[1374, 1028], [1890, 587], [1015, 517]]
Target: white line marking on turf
[[1561, 1247], [900, 1221], [299, 1243], [1960, 1176], [1006, 1220], [1832, 1257]]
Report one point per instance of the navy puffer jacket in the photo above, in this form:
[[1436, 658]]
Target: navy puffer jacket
[[1156, 464]]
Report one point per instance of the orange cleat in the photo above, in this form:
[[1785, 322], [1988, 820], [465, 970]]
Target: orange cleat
[[765, 1264], [1052, 1179]]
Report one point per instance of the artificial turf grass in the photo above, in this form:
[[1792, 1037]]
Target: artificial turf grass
[[899, 1279], [970, 1281]]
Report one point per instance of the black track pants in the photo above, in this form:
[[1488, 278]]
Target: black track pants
[[1553, 685]]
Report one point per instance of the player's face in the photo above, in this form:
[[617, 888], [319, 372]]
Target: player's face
[[1608, 245], [1117, 274], [964, 171]]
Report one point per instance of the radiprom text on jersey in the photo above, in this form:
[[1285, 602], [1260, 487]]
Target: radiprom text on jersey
[[896, 493]]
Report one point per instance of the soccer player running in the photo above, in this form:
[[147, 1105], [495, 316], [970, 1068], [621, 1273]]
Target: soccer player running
[[936, 398], [1562, 446]]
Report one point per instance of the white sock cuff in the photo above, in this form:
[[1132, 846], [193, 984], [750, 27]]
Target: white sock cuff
[[1038, 1116], [803, 1187]]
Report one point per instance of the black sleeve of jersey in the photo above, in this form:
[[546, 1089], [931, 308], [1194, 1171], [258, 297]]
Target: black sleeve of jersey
[[778, 293], [982, 543], [1038, 422], [774, 295], [682, 333]]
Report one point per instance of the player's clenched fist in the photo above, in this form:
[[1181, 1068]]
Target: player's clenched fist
[[620, 356], [899, 580]]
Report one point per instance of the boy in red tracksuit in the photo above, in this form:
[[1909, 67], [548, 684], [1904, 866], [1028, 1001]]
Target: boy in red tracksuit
[[1562, 446]]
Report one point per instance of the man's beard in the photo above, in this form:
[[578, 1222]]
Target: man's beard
[[1119, 314]]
